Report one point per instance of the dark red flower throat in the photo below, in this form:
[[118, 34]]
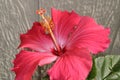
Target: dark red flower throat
[[59, 53]]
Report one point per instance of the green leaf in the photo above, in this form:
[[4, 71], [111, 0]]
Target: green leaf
[[116, 67], [108, 67], [92, 74], [46, 77]]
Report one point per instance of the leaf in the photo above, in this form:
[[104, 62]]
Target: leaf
[[108, 67], [92, 74], [46, 77], [116, 67]]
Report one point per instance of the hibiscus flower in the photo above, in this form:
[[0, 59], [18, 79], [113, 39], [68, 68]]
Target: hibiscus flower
[[68, 43]]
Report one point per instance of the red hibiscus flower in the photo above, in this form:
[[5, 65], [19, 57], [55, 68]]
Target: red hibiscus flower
[[68, 43]]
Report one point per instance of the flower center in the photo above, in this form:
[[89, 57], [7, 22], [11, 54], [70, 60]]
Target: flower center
[[62, 51], [48, 24]]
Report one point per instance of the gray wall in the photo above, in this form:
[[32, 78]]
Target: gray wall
[[16, 16]]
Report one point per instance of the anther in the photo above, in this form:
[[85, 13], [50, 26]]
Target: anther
[[41, 11]]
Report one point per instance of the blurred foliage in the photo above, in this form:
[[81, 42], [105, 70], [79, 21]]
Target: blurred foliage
[[105, 68]]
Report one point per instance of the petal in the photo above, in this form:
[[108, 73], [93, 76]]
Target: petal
[[36, 39], [73, 65], [26, 63], [64, 24], [90, 35]]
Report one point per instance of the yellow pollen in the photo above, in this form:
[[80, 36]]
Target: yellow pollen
[[45, 26], [48, 24]]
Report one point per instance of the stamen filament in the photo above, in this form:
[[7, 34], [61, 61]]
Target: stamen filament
[[50, 30]]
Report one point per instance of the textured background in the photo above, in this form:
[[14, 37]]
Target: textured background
[[16, 16]]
